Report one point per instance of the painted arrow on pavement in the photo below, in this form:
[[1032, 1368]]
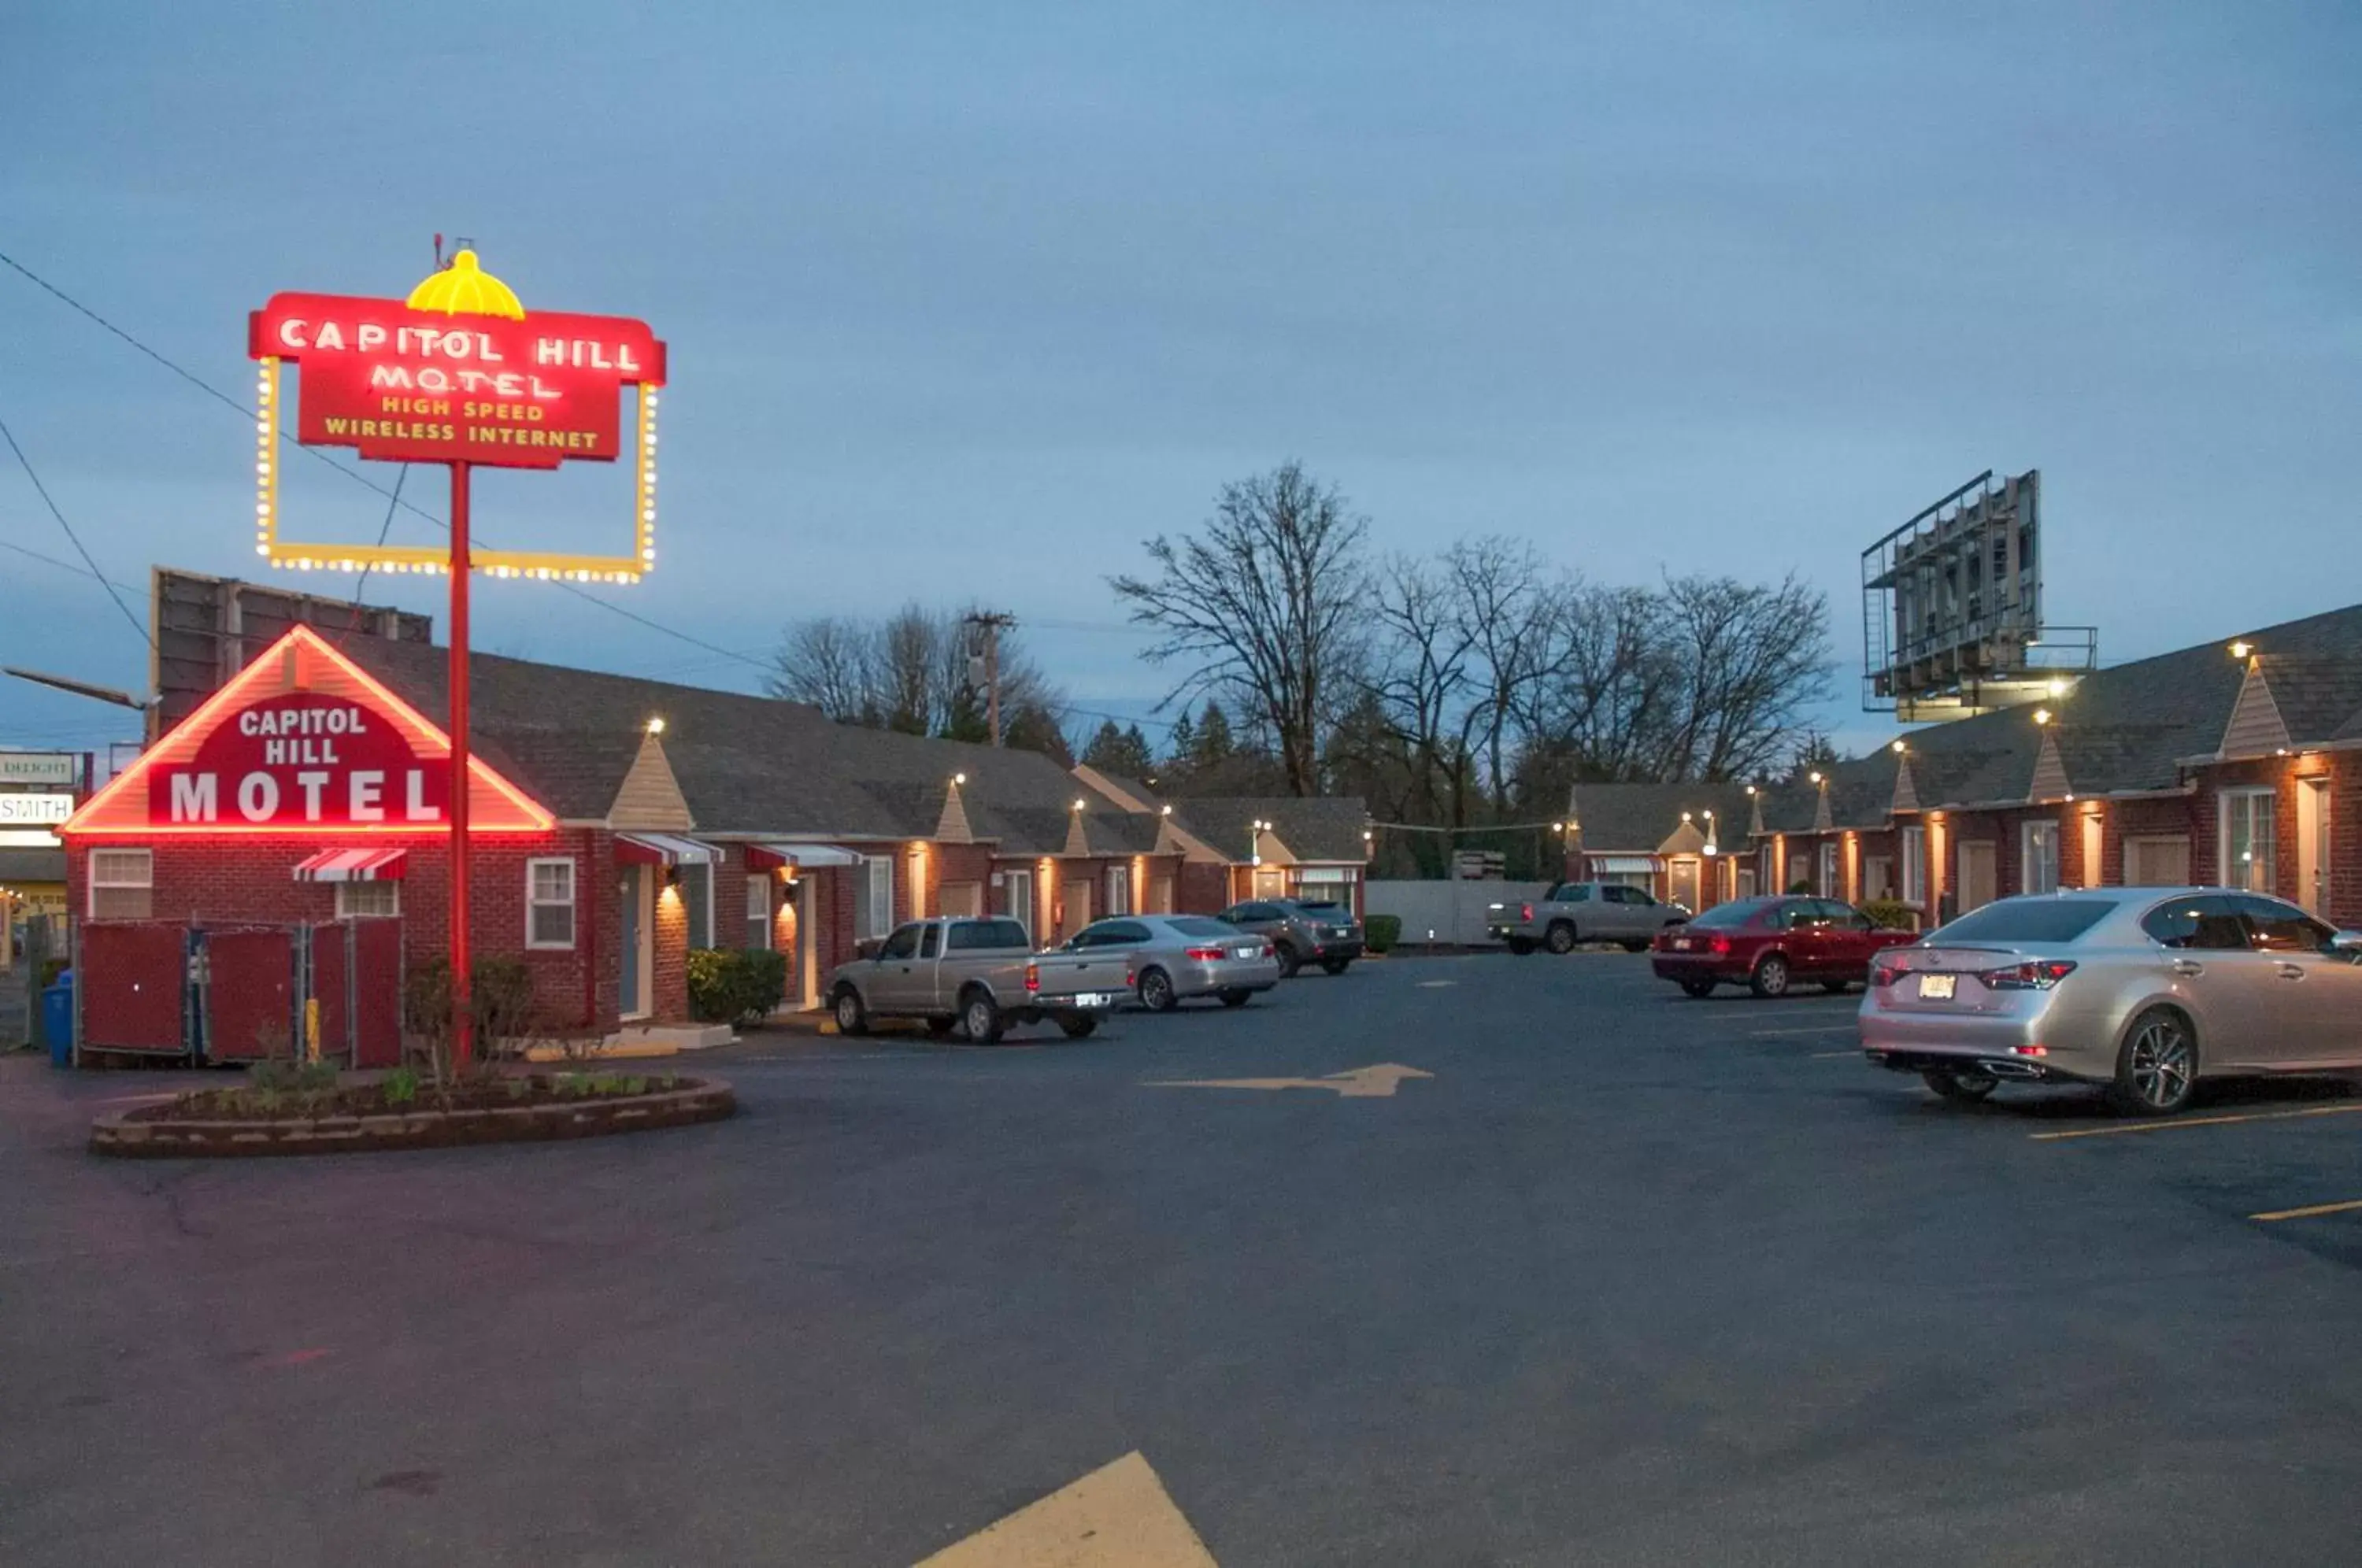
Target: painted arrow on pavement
[[1117, 1516], [1363, 1083]]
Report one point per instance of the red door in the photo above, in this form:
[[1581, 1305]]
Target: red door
[[250, 995]]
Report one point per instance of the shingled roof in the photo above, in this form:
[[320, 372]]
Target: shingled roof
[[745, 765], [1634, 819], [1318, 828]]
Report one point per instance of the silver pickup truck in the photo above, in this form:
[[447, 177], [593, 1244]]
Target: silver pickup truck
[[1582, 912], [981, 975]]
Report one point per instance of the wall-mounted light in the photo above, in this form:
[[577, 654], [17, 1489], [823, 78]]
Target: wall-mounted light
[[2242, 649], [1165, 810], [1816, 776], [1899, 748], [1558, 827], [1750, 788], [959, 777], [1078, 805], [656, 726], [2042, 715], [2058, 686]]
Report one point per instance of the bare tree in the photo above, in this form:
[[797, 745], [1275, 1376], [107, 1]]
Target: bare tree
[[1418, 678], [910, 673], [1754, 657], [1503, 610], [1264, 597]]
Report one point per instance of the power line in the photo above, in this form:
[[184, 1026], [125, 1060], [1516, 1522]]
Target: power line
[[393, 497], [61, 565], [78, 545]]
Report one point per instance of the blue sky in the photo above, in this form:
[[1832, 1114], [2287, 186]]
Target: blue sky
[[977, 298]]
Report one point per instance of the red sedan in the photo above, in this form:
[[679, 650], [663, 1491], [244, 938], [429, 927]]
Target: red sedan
[[1769, 944]]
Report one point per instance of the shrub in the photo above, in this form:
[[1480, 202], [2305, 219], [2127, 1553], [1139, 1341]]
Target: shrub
[[500, 998], [1802, 886], [1381, 932], [1887, 914], [735, 984]]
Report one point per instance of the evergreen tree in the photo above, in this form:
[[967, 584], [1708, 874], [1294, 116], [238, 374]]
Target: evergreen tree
[[1183, 741], [1123, 753], [1213, 745]]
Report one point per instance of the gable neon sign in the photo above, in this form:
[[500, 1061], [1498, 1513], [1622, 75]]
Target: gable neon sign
[[303, 741]]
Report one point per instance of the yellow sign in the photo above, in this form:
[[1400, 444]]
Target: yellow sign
[[1117, 1516], [1363, 1083]]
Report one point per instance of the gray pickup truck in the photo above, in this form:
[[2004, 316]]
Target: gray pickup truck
[[1582, 912], [981, 975]]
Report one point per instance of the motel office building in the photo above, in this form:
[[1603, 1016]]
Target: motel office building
[[2236, 762], [620, 824]]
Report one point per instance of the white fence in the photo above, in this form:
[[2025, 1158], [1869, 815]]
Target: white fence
[[1444, 911]]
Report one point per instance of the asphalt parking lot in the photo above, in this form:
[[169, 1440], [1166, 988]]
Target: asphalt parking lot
[[1627, 1278]]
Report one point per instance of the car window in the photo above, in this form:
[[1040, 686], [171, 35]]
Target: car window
[[903, 943], [1575, 893], [1121, 934], [2275, 927], [1730, 916], [1264, 911], [930, 941], [1197, 925], [2040, 919], [2207, 921], [1004, 933], [1842, 915], [1637, 896]]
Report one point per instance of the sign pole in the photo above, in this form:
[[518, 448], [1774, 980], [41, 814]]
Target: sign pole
[[463, 1024]]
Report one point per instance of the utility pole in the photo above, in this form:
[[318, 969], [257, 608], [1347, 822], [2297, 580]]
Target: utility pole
[[990, 623]]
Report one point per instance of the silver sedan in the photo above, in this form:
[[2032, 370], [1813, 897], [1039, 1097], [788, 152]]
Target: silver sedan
[[2146, 990], [1175, 957]]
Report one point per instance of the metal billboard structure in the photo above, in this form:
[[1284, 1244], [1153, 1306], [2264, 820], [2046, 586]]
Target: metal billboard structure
[[1952, 608]]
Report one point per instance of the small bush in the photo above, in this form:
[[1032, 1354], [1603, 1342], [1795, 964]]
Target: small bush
[[1887, 915], [500, 998], [1801, 888], [735, 984], [402, 1086], [1381, 932]]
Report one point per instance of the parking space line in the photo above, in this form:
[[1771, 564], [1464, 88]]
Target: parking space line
[[2196, 1121], [2309, 1211], [1776, 1033], [1832, 1055]]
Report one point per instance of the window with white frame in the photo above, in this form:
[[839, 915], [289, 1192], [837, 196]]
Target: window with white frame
[[122, 884], [367, 901], [873, 897], [2039, 856], [549, 903], [2249, 841], [1826, 883], [758, 910], [1119, 889], [1914, 864]]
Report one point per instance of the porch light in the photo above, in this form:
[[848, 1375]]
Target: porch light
[[1558, 827], [2242, 649], [2042, 715], [656, 726], [2057, 685], [1816, 776], [1078, 805], [1899, 748], [1165, 811], [959, 777]]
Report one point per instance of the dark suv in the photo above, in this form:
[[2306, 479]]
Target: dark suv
[[1327, 936]]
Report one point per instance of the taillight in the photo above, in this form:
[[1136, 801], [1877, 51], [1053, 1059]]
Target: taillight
[[1203, 954], [1525, 912], [1033, 976], [1269, 951], [1881, 976], [2036, 974], [1721, 944]]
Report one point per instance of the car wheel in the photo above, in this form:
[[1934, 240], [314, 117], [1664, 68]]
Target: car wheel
[[1156, 991], [1236, 996], [1288, 962], [2157, 1068], [982, 1019], [1079, 1027], [1771, 977], [1967, 1084], [941, 1024], [1560, 937], [1336, 965], [1521, 945], [852, 1018], [1698, 987]]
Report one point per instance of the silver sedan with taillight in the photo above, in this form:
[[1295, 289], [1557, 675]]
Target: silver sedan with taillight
[[2145, 990], [1175, 957]]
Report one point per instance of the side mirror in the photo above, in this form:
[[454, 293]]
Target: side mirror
[[2347, 944]]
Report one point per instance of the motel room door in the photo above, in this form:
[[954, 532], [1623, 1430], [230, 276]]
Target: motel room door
[[2312, 846], [1979, 876], [1684, 876], [636, 947]]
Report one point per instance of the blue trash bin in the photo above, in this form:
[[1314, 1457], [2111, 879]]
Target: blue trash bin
[[57, 1019]]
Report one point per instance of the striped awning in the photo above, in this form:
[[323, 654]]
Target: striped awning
[[1623, 864], [663, 849], [802, 857], [354, 865]]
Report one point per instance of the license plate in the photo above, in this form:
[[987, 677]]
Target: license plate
[[1090, 998], [1937, 987], [1246, 952], [1682, 943]]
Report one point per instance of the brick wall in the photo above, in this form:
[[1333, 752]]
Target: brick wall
[[251, 878]]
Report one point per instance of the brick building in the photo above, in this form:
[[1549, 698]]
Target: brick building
[[623, 823]]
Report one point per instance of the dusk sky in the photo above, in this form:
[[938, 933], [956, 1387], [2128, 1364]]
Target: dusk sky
[[970, 300]]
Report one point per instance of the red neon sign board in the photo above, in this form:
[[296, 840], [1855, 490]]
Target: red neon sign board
[[424, 386], [303, 741]]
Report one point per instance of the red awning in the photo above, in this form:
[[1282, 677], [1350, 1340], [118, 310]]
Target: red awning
[[354, 865]]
